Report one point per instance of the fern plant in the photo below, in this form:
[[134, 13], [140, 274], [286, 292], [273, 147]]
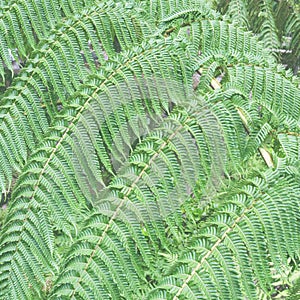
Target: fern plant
[[149, 150], [276, 23]]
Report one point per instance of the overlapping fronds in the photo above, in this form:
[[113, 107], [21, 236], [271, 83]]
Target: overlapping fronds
[[271, 90], [147, 194], [132, 205], [46, 176], [172, 9], [212, 39], [82, 45], [275, 22], [289, 143], [40, 81], [24, 23], [236, 11], [262, 20], [242, 245], [148, 150], [288, 24]]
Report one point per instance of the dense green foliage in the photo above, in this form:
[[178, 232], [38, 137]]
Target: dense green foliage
[[276, 23], [149, 149]]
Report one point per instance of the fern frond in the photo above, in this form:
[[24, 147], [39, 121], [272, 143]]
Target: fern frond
[[144, 205], [172, 9], [147, 193], [224, 37], [290, 32], [47, 174], [272, 92], [262, 22], [37, 236], [86, 42], [208, 36], [243, 232], [135, 184], [252, 99], [114, 159], [290, 144], [236, 10], [24, 23]]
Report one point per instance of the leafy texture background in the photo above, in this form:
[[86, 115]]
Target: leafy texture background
[[149, 149]]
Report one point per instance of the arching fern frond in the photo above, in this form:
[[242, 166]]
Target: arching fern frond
[[134, 149], [289, 143], [290, 32], [245, 231], [236, 10], [131, 201], [286, 113], [172, 9], [87, 42], [275, 22], [56, 178], [146, 195], [24, 23], [219, 37], [46, 175]]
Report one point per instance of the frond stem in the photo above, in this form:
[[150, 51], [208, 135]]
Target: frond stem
[[213, 248], [125, 197]]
